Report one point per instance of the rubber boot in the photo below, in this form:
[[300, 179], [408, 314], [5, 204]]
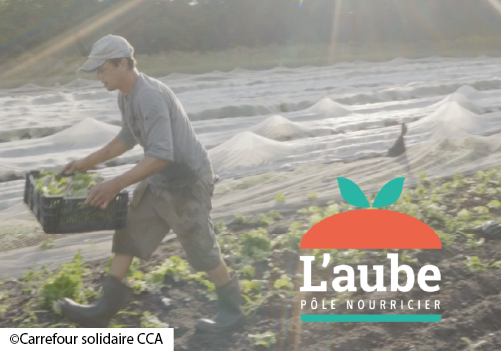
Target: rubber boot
[[229, 315], [99, 314]]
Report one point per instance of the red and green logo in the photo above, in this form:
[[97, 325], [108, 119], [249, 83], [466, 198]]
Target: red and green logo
[[372, 228]]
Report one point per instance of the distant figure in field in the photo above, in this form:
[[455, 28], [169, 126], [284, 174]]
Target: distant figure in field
[[399, 147]]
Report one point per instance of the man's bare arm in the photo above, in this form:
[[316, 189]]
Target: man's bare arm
[[104, 192], [145, 168], [111, 150]]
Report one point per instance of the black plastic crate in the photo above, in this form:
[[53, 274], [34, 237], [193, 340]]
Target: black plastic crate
[[64, 215]]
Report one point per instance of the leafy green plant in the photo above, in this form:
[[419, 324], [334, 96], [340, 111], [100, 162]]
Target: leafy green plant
[[445, 238], [47, 244], [77, 185], [3, 295], [3, 310], [318, 214], [254, 303], [124, 312], [265, 220], [220, 227], [136, 278], [174, 267], [475, 265], [280, 198], [481, 210], [28, 320], [404, 257], [201, 278], [149, 320], [266, 339], [495, 204], [316, 218], [421, 191], [283, 283], [240, 219], [464, 215], [458, 181], [423, 179], [32, 279], [273, 214], [255, 296], [252, 292], [310, 210], [248, 272], [473, 346], [348, 257], [291, 240], [66, 283], [472, 241], [256, 244], [252, 287], [331, 210]]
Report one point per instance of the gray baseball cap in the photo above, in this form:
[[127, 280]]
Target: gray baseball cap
[[108, 47]]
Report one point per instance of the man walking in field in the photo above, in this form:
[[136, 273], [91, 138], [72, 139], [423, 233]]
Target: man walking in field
[[175, 189]]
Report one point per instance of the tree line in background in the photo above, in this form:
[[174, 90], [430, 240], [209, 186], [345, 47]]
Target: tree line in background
[[210, 25]]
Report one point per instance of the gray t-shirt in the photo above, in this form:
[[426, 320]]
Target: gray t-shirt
[[153, 117]]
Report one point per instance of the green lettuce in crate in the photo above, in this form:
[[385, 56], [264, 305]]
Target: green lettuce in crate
[[76, 185]]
